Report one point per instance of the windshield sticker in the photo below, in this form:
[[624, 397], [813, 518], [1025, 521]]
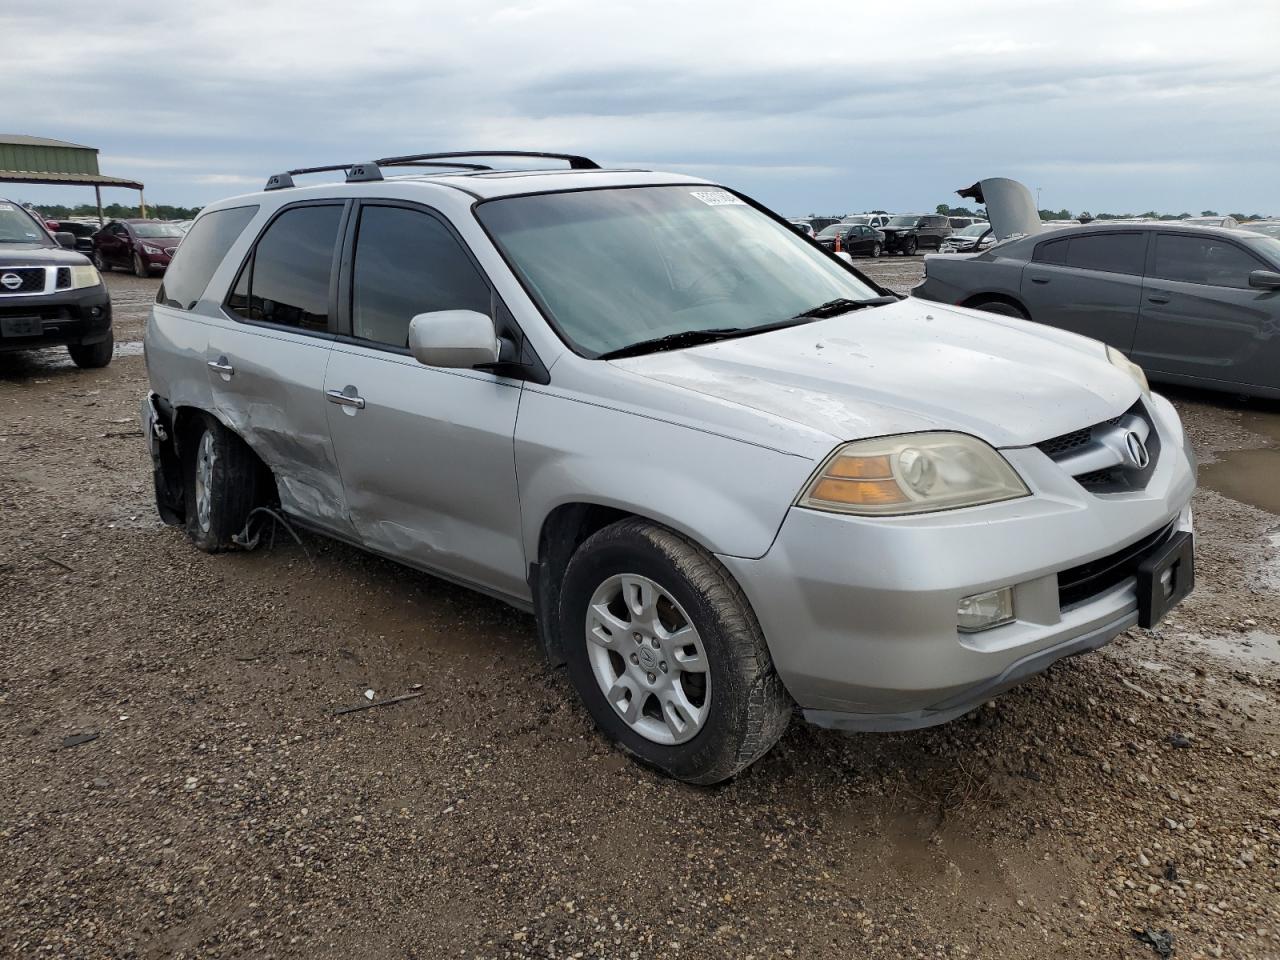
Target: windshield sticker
[[717, 198]]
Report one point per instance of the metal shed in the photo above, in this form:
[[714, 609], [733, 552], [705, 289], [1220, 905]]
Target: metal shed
[[26, 159]]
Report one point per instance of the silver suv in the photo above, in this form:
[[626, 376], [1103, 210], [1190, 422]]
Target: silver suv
[[730, 476]]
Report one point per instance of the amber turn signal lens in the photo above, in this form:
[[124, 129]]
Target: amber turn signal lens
[[861, 468], [865, 492]]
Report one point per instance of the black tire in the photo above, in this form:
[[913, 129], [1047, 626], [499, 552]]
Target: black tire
[[100, 262], [876, 251], [93, 356], [140, 269], [910, 246], [1001, 307], [234, 486], [749, 708]]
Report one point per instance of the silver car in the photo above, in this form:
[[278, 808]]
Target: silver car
[[732, 481]]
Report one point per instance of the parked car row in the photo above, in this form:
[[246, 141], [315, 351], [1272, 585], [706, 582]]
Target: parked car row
[[873, 234], [752, 483]]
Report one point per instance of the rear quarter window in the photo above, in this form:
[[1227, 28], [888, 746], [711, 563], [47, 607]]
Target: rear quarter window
[[199, 254]]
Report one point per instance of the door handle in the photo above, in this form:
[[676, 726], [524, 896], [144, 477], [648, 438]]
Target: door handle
[[1157, 299], [1039, 279], [345, 399], [221, 366]]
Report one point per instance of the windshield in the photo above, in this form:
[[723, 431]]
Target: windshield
[[1268, 246], [1266, 229], [860, 221], [904, 221], [977, 230], [831, 231], [17, 227], [153, 230], [616, 267]]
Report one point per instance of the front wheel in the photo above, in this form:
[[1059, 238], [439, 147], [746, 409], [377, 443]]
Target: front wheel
[[876, 250], [92, 356], [667, 655], [140, 269], [100, 262], [909, 248]]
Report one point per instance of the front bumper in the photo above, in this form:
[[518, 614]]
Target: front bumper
[[67, 317], [860, 613]]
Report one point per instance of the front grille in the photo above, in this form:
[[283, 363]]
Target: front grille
[[1101, 469], [1087, 580], [1055, 447], [30, 280]]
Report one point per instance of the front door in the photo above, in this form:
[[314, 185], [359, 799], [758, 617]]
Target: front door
[[1089, 283], [267, 354], [1200, 318], [426, 454]]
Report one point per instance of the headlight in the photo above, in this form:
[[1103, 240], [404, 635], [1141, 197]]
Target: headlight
[[85, 276], [1118, 359], [151, 250], [912, 473]]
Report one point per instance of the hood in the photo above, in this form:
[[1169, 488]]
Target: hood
[[31, 255], [888, 229], [1010, 206], [164, 243], [907, 367]]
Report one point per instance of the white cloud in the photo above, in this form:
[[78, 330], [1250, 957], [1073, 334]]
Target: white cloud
[[811, 105]]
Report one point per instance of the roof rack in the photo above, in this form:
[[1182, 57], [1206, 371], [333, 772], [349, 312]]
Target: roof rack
[[361, 172], [575, 162]]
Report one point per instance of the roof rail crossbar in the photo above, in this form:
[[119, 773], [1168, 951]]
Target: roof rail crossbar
[[575, 162], [355, 172], [432, 163]]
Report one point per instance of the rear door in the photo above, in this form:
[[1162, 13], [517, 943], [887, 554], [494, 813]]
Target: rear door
[[1200, 317], [266, 358], [427, 454], [1088, 283]]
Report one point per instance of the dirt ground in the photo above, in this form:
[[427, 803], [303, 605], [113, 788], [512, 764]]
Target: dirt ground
[[1125, 801]]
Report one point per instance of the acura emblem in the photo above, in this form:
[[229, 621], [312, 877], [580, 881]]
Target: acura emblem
[[11, 281], [1139, 457]]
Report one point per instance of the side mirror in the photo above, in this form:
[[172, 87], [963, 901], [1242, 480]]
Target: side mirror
[[65, 239], [458, 339], [1266, 279]]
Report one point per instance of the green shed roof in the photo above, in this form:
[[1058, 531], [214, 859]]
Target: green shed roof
[[26, 159]]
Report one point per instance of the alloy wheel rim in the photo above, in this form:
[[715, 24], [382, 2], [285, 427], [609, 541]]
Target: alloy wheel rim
[[648, 659], [204, 481]]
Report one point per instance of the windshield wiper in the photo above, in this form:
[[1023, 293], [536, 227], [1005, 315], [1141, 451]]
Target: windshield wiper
[[833, 308], [674, 341]]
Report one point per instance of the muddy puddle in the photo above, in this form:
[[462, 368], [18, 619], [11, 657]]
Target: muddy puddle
[[1251, 476], [1255, 647]]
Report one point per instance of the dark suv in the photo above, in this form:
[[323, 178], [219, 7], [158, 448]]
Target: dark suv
[[49, 295], [911, 232]]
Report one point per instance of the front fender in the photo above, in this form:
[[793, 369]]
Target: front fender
[[728, 495]]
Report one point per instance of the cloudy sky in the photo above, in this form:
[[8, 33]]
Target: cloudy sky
[[1116, 105]]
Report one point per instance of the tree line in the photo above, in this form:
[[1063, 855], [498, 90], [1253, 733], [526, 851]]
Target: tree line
[[1064, 214], [114, 211]]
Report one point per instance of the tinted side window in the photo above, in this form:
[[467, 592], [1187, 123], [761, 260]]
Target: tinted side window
[[286, 280], [1110, 252], [407, 263], [1053, 251], [199, 254], [1203, 260]]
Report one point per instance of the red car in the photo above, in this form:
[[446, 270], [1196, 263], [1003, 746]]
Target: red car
[[138, 245]]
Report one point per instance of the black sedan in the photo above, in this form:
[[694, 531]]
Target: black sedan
[[855, 239]]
